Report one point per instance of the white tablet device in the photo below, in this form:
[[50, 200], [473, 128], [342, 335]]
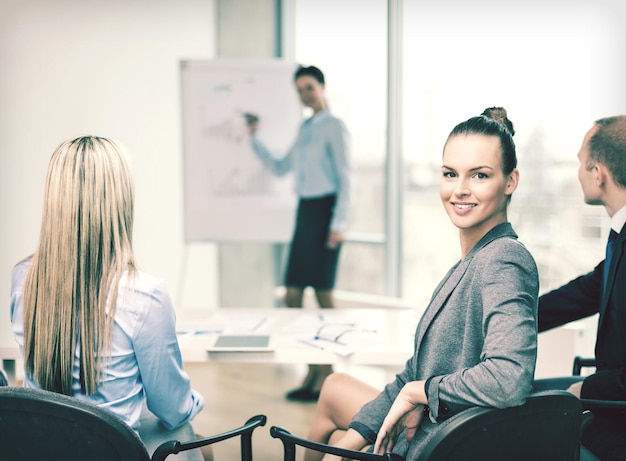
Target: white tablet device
[[241, 343]]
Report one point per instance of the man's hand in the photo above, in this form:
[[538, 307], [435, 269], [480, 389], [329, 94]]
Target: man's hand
[[575, 388]]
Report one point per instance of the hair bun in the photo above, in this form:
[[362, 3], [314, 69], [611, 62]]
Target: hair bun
[[499, 115]]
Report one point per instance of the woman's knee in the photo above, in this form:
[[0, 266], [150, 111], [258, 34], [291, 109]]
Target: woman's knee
[[341, 397], [332, 389], [334, 381], [340, 388]]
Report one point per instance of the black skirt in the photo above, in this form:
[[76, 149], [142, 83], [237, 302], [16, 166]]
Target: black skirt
[[311, 262]]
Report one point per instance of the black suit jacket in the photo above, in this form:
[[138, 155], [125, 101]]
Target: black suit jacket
[[583, 297]]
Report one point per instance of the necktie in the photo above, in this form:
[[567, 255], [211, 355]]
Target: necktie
[[609, 255]]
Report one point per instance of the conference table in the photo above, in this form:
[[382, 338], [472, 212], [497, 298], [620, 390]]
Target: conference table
[[350, 335], [358, 336], [380, 336]]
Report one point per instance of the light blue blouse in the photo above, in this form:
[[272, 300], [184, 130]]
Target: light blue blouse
[[146, 362], [320, 158]]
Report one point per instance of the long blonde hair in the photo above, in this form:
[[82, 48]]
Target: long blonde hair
[[85, 246]]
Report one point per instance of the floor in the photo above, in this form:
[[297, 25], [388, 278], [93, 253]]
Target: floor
[[235, 392]]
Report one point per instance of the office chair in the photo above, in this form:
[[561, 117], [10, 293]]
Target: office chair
[[617, 406], [590, 407], [546, 428], [37, 424]]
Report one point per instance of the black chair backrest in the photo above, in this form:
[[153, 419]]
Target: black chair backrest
[[547, 427], [42, 425]]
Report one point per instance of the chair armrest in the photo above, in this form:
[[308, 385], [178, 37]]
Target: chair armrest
[[244, 431], [290, 441], [580, 362], [606, 406]]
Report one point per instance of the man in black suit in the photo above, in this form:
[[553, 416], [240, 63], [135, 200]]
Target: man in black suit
[[602, 175]]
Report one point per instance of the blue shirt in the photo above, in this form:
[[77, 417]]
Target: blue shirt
[[320, 158], [145, 361]]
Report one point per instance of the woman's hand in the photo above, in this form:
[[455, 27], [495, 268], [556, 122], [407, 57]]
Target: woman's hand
[[406, 412], [334, 239]]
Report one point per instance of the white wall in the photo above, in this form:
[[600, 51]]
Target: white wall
[[110, 68]]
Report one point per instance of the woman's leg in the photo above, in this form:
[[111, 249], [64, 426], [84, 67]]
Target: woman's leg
[[325, 298], [310, 388], [293, 296], [207, 450], [342, 396], [319, 373]]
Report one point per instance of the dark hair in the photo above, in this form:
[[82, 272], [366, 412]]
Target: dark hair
[[310, 71], [608, 146], [492, 122]]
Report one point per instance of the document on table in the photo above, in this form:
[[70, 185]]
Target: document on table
[[341, 349], [334, 332], [225, 323]]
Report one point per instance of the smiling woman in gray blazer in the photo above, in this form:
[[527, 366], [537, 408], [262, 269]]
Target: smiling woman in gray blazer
[[476, 344]]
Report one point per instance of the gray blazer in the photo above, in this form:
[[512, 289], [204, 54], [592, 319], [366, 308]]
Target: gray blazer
[[476, 344]]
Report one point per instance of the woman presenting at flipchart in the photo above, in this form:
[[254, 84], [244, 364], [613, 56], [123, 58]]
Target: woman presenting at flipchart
[[320, 159]]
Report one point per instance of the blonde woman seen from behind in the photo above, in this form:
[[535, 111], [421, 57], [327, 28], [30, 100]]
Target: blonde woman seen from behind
[[88, 322]]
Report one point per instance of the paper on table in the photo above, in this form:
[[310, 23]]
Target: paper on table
[[243, 323], [219, 322], [190, 328], [341, 349], [333, 332], [308, 322]]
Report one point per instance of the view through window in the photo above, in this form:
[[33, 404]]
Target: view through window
[[348, 42], [555, 67]]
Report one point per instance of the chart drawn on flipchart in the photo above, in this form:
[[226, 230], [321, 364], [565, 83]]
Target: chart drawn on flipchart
[[235, 170], [224, 179]]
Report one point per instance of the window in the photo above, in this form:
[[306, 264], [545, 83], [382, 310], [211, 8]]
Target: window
[[554, 69], [350, 47], [547, 66]]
